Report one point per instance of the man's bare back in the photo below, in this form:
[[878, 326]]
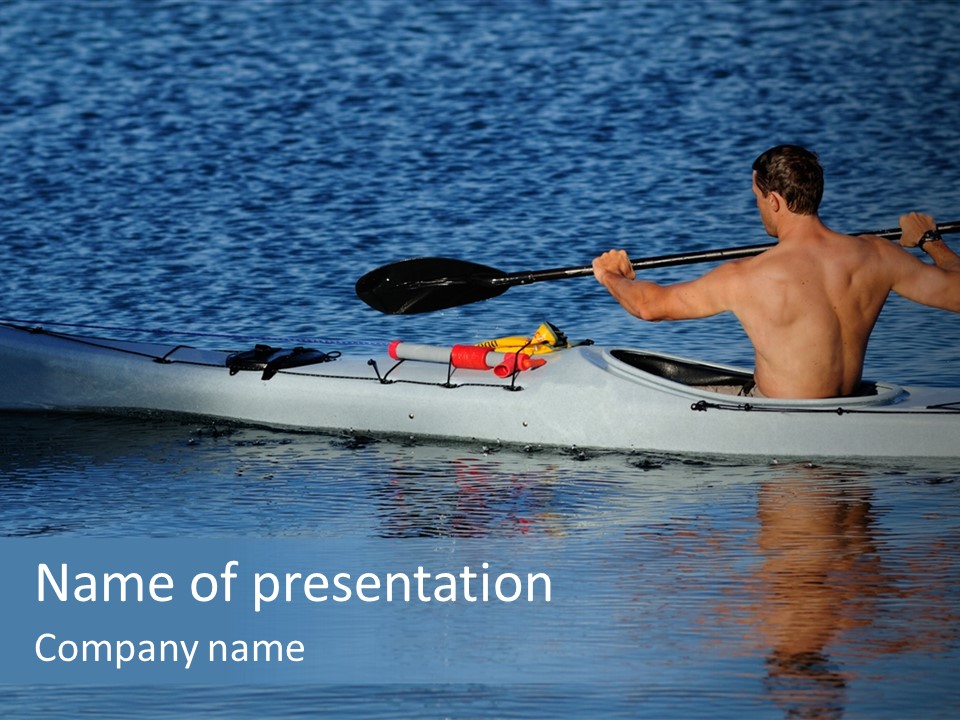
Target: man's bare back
[[808, 307], [809, 303]]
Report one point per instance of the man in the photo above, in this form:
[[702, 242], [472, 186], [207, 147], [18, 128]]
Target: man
[[809, 303]]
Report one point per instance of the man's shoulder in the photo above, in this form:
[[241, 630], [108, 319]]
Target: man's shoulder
[[882, 248], [859, 247]]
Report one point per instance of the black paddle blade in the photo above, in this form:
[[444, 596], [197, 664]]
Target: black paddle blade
[[424, 285]]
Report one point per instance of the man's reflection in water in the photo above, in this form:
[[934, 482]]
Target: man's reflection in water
[[822, 576], [817, 556]]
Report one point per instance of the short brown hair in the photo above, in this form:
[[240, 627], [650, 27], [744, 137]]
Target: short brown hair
[[793, 172]]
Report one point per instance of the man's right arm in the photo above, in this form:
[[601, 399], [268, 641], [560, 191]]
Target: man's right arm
[[914, 226], [705, 296]]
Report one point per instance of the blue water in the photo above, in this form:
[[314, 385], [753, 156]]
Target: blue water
[[234, 167]]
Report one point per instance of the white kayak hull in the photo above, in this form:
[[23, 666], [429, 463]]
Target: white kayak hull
[[586, 396]]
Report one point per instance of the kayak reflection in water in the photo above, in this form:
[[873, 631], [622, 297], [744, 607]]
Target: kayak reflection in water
[[809, 303], [467, 498]]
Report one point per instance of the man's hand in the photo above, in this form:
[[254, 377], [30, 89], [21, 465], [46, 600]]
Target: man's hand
[[612, 264], [914, 226]]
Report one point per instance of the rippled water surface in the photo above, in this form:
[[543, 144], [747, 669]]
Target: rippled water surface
[[233, 167]]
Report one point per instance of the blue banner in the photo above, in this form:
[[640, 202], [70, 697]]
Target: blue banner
[[95, 611]]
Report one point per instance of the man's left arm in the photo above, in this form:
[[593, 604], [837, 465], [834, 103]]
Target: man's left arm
[[921, 229], [925, 283]]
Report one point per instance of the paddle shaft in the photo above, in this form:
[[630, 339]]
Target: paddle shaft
[[527, 277], [428, 284]]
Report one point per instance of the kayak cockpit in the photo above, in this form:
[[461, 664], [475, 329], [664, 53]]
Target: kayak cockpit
[[722, 380], [685, 372]]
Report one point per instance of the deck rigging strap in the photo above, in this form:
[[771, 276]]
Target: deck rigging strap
[[942, 409]]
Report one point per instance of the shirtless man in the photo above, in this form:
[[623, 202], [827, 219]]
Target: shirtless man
[[809, 303]]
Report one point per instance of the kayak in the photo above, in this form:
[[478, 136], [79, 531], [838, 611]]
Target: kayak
[[585, 396]]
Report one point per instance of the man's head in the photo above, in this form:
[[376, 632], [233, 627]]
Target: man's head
[[794, 173]]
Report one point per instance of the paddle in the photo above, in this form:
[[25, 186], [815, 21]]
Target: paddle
[[422, 285]]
